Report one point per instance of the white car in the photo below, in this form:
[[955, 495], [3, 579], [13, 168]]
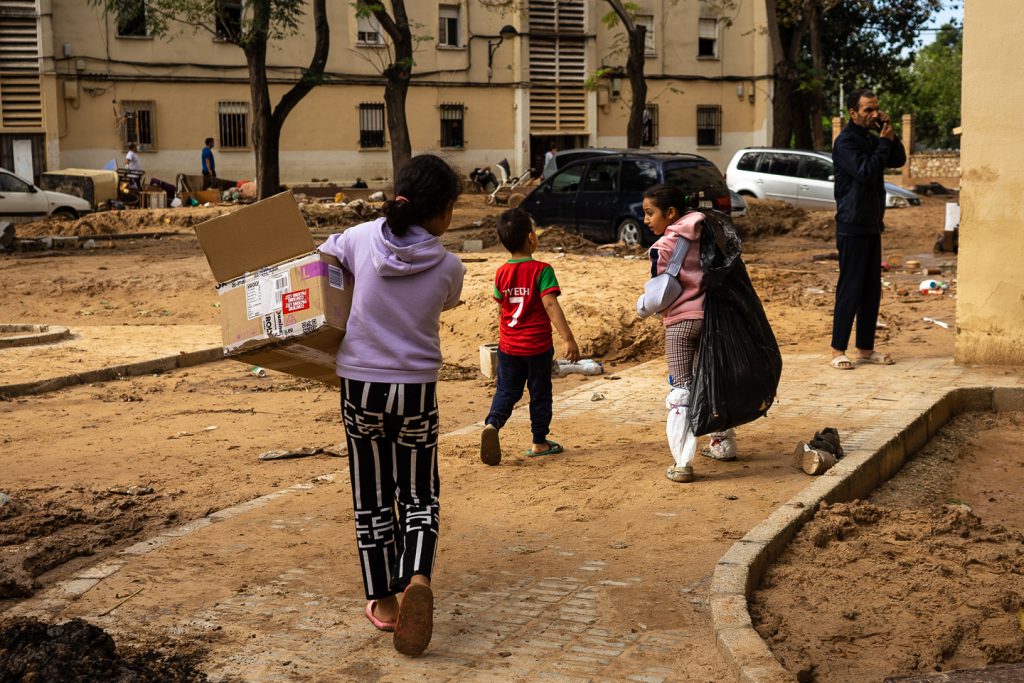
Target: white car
[[801, 178], [22, 201]]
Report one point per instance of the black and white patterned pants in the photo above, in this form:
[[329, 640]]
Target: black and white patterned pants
[[392, 443]]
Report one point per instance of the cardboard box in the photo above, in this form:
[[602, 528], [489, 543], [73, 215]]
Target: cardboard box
[[201, 196], [283, 305]]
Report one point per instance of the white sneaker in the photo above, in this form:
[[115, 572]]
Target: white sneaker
[[722, 447]]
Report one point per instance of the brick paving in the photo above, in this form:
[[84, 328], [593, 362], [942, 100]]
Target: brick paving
[[511, 627]]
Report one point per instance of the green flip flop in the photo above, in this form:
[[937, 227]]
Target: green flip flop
[[553, 448]]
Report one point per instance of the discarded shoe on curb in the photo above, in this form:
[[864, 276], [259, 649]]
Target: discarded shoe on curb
[[821, 453], [813, 461]]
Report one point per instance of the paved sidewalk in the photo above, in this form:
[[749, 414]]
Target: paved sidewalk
[[300, 618]]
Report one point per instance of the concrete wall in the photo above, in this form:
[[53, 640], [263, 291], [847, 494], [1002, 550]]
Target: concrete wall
[[990, 303]]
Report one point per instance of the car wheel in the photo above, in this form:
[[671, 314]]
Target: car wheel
[[65, 214], [629, 231]]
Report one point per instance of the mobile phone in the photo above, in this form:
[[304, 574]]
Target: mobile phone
[[880, 123]]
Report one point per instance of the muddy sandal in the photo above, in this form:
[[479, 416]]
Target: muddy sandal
[[379, 624], [415, 620]]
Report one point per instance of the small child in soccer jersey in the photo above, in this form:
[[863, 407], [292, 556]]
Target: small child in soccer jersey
[[527, 294]]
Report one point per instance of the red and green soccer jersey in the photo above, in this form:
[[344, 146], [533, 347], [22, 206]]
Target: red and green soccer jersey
[[525, 328]]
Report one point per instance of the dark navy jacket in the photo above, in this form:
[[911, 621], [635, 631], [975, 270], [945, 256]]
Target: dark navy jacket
[[860, 161]]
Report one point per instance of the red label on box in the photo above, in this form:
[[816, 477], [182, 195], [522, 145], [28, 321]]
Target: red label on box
[[295, 301]]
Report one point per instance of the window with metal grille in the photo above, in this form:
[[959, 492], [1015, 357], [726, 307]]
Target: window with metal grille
[[228, 18], [707, 38], [131, 19], [448, 25], [371, 125], [368, 31], [451, 125], [233, 118], [139, 125], [647, 21], [709, 125], [650, 134]]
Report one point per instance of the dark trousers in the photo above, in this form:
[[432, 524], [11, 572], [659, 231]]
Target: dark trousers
[[859, 290], [515, 372], [392, 446]]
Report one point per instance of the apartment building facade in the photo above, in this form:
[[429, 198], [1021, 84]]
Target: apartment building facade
[[492, 79]]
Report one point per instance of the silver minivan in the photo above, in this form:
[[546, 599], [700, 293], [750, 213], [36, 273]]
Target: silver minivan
[[798, 177]]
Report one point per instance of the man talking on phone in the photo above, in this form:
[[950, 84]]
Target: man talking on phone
[[860, 159]]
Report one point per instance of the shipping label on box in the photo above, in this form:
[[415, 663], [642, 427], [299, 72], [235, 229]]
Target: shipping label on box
[[290, 299]]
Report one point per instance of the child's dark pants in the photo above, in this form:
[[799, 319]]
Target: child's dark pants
[[515, 372], [392, 446]]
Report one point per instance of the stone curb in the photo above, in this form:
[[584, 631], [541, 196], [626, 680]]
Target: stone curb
[[181, 360], [742, 567]]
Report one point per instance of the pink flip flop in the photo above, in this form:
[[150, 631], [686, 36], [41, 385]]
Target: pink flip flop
[[415, 620], [380, 625]]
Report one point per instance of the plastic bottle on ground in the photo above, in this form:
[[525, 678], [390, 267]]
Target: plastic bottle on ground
[[584, 366]]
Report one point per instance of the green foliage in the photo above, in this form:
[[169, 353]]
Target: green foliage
[[932, 90], [165, 17]]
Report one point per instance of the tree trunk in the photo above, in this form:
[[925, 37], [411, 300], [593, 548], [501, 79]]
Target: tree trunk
[[816, 97], [267, 178], [268, 121], [637, 35], [638, 85], [397, 76]]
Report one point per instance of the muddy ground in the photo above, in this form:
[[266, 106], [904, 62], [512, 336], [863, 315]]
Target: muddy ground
[[926, 575], [92, 468]]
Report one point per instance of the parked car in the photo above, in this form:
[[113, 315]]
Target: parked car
[[801, 178], [562, 157], [739, 204], [601, 196], [20, 201]]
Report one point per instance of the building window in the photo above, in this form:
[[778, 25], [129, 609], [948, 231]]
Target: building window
[[650, 135], [233, 119], [707, 38], [650, 46], [228, 19], [139, 125], [448, 26], [709, 125], [371, 125], [368, 31], [451, 125], [131, 19]]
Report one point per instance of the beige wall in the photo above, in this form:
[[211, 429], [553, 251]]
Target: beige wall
[[742, 61], [990, 303], [188, 74]]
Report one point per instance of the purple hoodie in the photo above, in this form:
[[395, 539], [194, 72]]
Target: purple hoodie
[[401, 286]]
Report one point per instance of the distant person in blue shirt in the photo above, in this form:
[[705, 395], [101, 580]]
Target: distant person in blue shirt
[[209, 167]]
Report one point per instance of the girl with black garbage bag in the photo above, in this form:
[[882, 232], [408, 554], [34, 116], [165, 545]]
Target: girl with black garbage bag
[[667, 215]]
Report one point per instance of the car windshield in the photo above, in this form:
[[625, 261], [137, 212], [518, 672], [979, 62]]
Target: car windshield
[[689, 175]]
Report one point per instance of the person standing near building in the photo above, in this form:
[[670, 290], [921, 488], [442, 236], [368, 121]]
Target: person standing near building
[[860, 160], [209, 167], [131, 159]]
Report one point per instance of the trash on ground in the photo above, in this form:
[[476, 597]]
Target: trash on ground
[[135, 490], [597, 396], [940, 323], [304, 452]]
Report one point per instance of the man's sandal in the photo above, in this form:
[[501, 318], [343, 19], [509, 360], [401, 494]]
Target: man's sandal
[[841, 362], [877, 358]]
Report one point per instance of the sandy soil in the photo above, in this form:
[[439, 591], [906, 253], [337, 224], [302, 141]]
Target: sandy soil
[[926, 575], [187, 441]]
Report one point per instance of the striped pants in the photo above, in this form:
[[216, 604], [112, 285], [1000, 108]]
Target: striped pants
[[392, 444]]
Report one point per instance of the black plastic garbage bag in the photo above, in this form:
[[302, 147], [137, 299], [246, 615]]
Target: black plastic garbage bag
[[738, 364]]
